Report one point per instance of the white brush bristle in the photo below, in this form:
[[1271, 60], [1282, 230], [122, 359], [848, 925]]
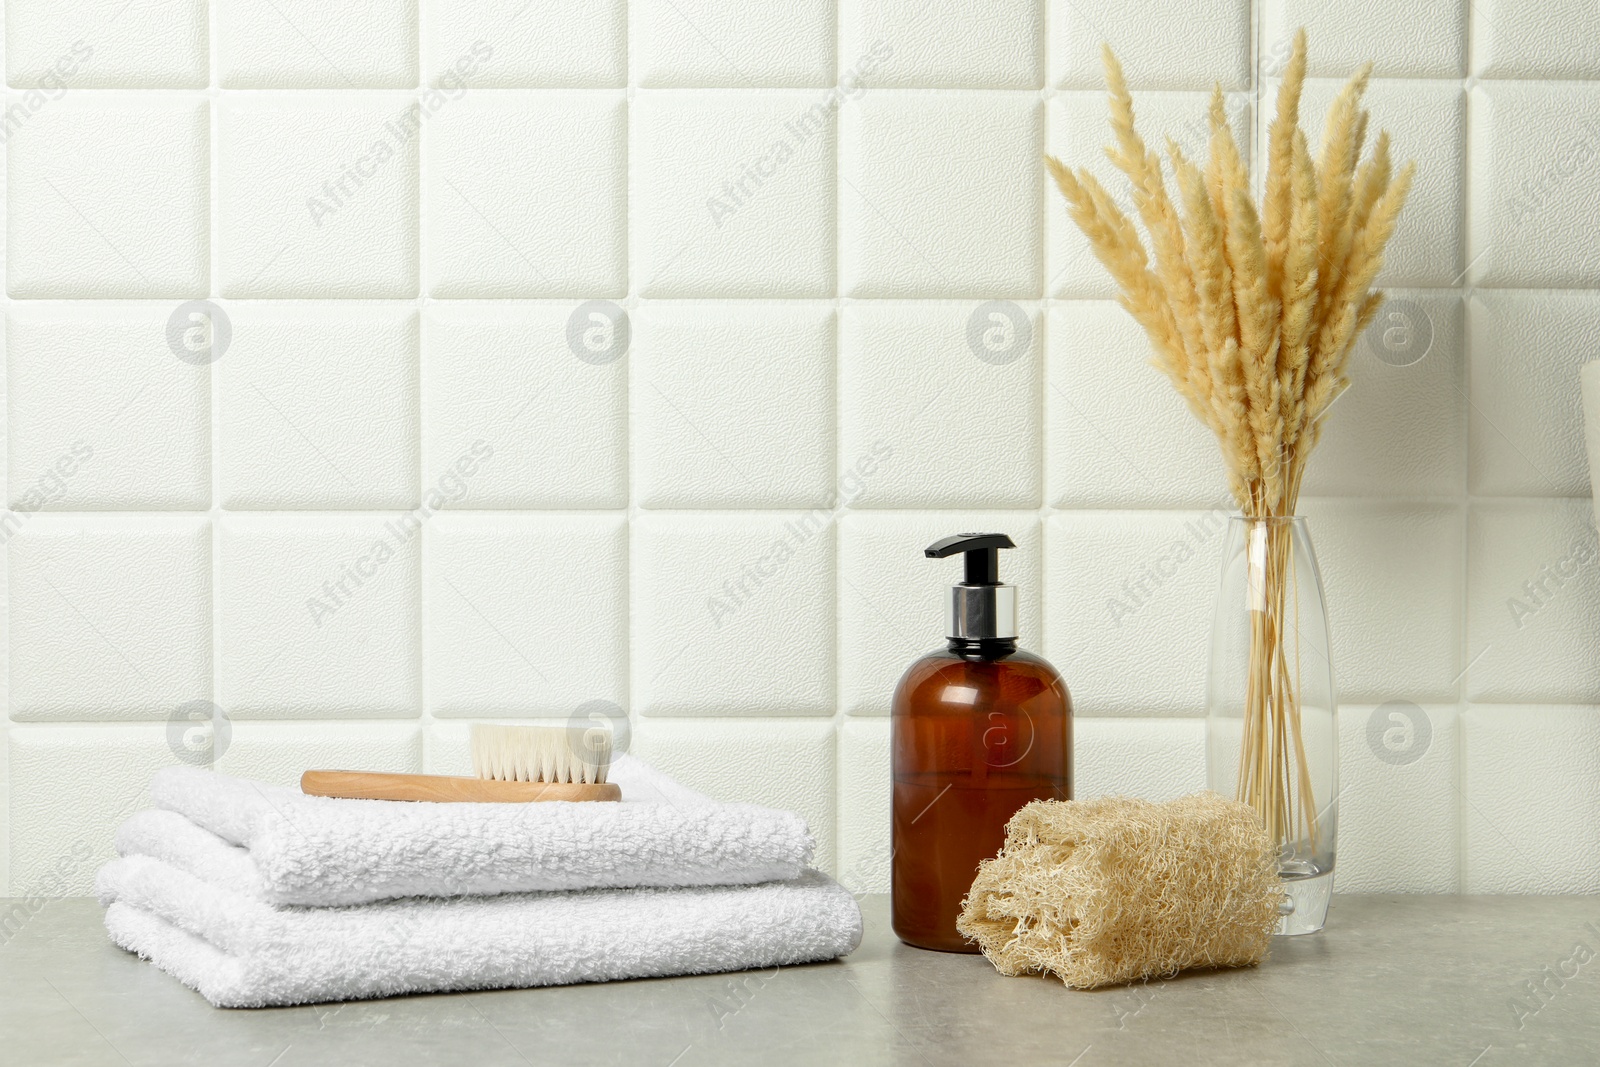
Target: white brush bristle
[[541, 753]]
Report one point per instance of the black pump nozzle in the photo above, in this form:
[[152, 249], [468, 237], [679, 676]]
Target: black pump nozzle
[[983, 557]]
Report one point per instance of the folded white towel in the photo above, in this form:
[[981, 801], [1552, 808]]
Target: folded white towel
[[296, 849], [239, 952]]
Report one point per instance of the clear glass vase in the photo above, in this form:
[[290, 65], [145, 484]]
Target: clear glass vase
[[1272, 735]]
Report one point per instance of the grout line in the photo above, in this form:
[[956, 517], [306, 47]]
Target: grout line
[[213, 383], [1464, 289]]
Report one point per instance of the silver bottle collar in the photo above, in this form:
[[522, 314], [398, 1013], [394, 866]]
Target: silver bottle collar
[[980, 612]]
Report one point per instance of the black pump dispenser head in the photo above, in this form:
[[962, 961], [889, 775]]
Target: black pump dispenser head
[[981, 607], [983, 557]]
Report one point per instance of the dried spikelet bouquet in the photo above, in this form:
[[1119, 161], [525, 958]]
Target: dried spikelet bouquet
[[1253, 315]]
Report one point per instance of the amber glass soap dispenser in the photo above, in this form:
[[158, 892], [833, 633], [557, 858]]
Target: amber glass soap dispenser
[[979, 729]]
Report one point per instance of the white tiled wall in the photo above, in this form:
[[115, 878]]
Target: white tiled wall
[[568, 357]]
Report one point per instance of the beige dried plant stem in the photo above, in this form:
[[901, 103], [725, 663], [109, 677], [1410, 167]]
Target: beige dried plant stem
[[1160, 218], [1336, 169], [1252, 314], [1298, 288], [1280, 202]]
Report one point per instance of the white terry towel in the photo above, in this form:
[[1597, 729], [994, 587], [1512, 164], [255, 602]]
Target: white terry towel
[[238, 952], [297, 849]]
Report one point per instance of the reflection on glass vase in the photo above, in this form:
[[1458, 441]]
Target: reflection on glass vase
[[1272, 721]]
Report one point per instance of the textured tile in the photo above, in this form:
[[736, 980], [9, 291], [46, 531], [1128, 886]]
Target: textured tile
[[771, 160], [1532, 596], [1399, 429], [1408, 39], [5, 819], [318, 616], [505, 44], [1391, 574], [526, 614], [1116, 432], [1535, 173], [302, 44], [1526, 424], [5, 629], [783, 765], [446, 748], [318, 407], [939, 195], [526, 195], [892, 607], [755, 591], [71, 786], [1528, 39], [1397, 799], [106, 196], [1131, 596], [1427, 122], [1161, 46], [1153, 759], [1077, 129], [280, 752], [947, 44], [1531, 816], [106, 44], [110, 616], [103, 414], [933, 398], [865, 797], [519, 380], [733, 193], [317, 195], [733, 405], [683, 44]]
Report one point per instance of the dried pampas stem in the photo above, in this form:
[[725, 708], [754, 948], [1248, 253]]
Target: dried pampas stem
[[1252, 315], [1251, 311]]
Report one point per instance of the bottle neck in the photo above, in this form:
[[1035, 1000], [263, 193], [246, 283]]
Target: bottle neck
[[984, 649], [982, 612]]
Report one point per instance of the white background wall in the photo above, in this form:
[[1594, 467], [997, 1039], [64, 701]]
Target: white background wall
[[777, 340]]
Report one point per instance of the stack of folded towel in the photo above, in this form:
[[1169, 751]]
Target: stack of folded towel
[[255, 895]]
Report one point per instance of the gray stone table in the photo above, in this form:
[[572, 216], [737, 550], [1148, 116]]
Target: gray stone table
[[1458, 981]]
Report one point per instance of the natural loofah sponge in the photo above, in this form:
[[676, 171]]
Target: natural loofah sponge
[[1107, 891]]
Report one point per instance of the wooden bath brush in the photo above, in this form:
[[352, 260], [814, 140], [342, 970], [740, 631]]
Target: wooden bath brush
[[512, 764]]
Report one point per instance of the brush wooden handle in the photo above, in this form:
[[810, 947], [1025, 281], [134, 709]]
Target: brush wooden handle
[[369, 785]]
